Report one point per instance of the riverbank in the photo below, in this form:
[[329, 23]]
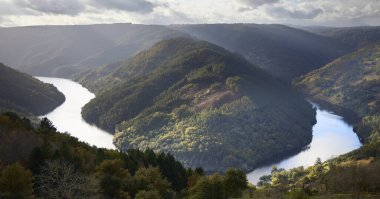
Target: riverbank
[[332, 136]]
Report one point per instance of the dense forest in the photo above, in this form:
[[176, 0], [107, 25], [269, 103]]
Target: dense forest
[[350, 85], [24, 94], [39, 162], [201, 103]]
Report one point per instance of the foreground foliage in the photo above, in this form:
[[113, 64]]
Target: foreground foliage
[[354, 175], [56, 165]]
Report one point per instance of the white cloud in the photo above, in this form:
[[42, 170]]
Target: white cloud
[[300, 12], [63, 7], [257, 3], [140, 6]]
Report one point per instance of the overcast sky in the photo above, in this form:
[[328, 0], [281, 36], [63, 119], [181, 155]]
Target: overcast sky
[[297, 12]]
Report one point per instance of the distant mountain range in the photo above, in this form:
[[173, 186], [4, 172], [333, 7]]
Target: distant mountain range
[[66, 50], [22, 93], [354, 37], [280, 50]]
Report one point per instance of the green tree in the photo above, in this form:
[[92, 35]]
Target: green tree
[[151, 179], [16, 182], [47, 126], [235, 182], [211, 187], [113, 179], [148, 195]]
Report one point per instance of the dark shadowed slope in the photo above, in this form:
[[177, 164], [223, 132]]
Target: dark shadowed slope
[[203, 104], [282, 51], [23, 93]]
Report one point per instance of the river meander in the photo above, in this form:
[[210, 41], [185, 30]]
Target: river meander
[[332, 136]]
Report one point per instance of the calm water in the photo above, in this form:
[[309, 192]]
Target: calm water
[[67, 117], [331, 137]]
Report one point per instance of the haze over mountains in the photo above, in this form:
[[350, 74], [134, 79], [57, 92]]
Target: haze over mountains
[[65, 50]]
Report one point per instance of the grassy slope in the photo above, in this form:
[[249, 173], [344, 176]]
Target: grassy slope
[[23, 93], [203, 104]]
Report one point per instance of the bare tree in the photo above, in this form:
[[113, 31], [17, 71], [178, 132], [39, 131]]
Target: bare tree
[[59, 179]]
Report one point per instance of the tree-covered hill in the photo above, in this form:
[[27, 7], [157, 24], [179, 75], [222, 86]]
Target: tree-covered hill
[[23, 93], [201, 103], [350, 85], [280, 50]]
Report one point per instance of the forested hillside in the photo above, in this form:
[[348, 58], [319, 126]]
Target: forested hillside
[[39, 162], [201, 103], [56, 165], [65, 50], [280, 50], [350, 85], [25, 94]]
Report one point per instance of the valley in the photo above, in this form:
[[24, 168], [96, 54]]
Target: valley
[[192, 110], [331, 135]]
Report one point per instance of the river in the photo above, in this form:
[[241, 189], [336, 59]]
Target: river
[[67, 117], [331, 135]]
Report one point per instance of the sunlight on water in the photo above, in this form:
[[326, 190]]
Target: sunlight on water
[[331, 137], [68, 118]]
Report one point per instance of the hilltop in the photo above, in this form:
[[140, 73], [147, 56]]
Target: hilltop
[[201, 103]]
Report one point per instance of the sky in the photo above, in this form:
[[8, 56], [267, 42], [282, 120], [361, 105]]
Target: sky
[[296, 12]]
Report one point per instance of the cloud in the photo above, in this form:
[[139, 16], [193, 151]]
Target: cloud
[[295, 13], [257, 3], [139, 6], [62, 7], [298, 12]]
